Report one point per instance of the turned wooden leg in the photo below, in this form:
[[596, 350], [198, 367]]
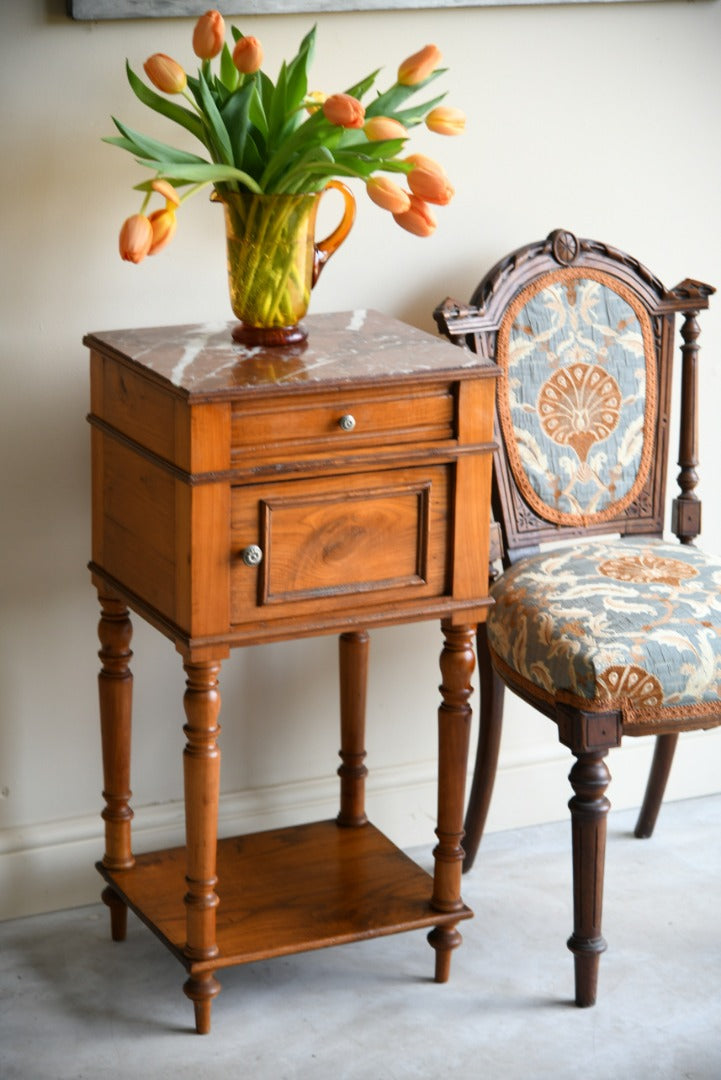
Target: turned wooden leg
[[115, 690], [201, 763], [353, 661], [118, 913], [589, 809], [657, 780], [489, 740], [454, 723]]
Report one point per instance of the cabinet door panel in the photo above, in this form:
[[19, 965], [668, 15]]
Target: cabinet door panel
[[326, 540]]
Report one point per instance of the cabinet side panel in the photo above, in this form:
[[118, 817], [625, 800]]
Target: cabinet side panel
[[142, 411], [135, 540]]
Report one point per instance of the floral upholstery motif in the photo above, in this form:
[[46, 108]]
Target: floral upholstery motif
[[632, 684], [633, 625], [579, 406], [648, 566], [579, 401]]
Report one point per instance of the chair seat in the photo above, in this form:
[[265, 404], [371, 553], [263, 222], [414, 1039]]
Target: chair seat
[[616, 624]]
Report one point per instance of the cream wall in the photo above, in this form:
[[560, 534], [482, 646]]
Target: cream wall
[[600, 118]]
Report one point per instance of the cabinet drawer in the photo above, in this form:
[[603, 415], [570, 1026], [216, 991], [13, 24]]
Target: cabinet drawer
[[371, 536], [342, 422]]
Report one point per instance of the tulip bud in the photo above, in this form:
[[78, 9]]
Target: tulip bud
[[209, 35], [378, 128], [418, 67], [418, 219], [388, 195], [444, 120], [167, 191], [248, 55], [344, 111], [165, 74], [163, 224], [314, 100], [428, 180], [135, 239]]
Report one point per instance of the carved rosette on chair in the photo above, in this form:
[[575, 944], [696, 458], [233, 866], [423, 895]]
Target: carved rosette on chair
[[606, 637]]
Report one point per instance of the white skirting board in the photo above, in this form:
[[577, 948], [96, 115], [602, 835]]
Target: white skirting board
[[50, 866]]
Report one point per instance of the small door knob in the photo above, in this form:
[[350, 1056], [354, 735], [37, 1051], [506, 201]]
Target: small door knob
[[346, 422], [252, 555]]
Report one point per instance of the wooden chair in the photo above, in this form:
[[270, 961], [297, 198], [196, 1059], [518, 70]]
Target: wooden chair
[[607, 637]]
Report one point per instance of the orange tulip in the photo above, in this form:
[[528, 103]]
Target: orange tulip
[[209, 35], [135, 239], [165, 74], [167, 191], [248, 55], [418, 219], [344, 111], [163, 224], [444, 120], [378, 128], [418, 67], [428, 180], [388, 195]]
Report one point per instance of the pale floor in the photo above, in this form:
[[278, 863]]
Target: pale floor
[[75, 1006]]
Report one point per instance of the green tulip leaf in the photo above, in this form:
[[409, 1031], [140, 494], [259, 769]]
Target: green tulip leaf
[[214, 123], [257, 114], [229, 74], [178, 113], [235, 117], [359, 89], [278, 112], [388, 103], [147, 147], [297, 74], [411, 117], [201, 173]]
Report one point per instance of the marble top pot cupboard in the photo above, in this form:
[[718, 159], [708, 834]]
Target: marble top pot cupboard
[[243, 496]]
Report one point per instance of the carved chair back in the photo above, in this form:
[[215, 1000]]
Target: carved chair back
[[584, 337]]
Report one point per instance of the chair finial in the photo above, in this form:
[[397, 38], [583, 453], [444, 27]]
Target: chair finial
[[565, 246]]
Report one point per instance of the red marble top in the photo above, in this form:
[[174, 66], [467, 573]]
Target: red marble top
[[352, 346]]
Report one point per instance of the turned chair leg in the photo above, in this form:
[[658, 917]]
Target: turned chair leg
[[656, 786], [489, 740], [589, 810]]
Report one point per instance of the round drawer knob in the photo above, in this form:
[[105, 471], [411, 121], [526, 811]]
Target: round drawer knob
[[346, 422], [252, 555]]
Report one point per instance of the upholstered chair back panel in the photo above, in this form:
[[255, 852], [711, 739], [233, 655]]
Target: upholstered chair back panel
[[578, 402]]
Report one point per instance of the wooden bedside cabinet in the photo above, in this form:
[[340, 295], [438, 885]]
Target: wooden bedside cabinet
[[242, 496]]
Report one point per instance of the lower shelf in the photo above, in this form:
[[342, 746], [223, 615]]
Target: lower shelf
[[287, 891]]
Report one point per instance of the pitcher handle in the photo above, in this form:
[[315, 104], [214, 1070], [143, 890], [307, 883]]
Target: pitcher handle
[[323, 250]]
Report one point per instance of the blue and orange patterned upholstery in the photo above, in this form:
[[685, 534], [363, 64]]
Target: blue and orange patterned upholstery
[[598, 625], [578, 403], [629, 625]]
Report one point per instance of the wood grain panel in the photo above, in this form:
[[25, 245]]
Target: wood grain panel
[[388, 419], [137, 525], [143, 411], [273, 885], [365, 536]]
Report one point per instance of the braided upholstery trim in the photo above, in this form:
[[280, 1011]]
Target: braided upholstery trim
[[635, 721]]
